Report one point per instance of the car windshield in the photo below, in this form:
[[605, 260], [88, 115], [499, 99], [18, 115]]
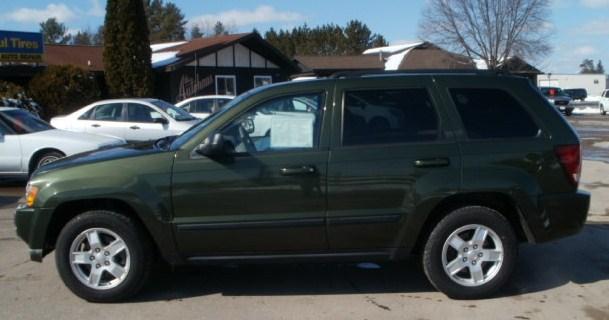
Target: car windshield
[[188, 134], [173, 111], [23, 122]]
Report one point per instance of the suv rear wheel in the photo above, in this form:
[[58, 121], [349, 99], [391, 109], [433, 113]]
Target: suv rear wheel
[[471, 253], [103, 256]]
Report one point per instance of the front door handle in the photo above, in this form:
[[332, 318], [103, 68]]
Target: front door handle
[[95, 125], [432, 162], [299, 170], [134, 127]]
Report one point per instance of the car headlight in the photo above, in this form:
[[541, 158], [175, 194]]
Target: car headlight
[[30, 195]]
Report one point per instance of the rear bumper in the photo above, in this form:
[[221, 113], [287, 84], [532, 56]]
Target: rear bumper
[[561, 215]]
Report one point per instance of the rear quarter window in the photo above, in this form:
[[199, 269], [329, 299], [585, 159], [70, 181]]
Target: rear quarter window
[[492, 113]]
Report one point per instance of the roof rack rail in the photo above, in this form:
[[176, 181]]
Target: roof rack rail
[[361, 74]]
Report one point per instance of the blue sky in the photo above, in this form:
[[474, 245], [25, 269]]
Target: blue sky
[[580, 27]]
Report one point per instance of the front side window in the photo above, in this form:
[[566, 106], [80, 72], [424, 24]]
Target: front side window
[[260, 81], [388, 116], [108, 112], [276, 125], [174, 112], [492, 113], [226, 85], [141, 113]]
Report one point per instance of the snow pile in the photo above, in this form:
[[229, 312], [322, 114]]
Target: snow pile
[[165, 45], [393, 55], [161, 59]]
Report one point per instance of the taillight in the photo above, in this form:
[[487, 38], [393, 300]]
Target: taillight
[[570, 157]]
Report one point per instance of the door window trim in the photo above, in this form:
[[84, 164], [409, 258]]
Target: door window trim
[[94, 111], [226, 76]]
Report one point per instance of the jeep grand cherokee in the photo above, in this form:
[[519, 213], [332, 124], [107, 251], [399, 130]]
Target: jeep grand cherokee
[[458, 168]]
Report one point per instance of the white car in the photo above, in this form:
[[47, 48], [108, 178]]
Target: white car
[[604, 102], [202, 106], [26, 142], [129, 119]]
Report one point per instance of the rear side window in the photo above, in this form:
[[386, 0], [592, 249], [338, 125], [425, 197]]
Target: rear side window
[[388, 116], [492, 113], [204, 106]]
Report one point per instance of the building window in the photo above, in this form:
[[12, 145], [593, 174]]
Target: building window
[[260, 81], [595, 81], [226, 85]]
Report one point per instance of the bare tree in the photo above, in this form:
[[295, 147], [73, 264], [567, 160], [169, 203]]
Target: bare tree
[[491, 30]]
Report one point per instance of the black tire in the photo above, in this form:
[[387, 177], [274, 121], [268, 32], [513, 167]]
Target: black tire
[[603, 111], [47, 157], [568, 112], [432, 255], [138, 244]]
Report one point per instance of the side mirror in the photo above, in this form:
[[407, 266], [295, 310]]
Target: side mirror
[[161, 121], [211, 146]]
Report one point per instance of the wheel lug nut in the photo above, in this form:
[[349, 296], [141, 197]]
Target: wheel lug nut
[[98, 266], [475, 247], [464, 259], [107, 263], [91, 258], [106, 253], [97, 250], [480, 254], [473, 262], [465, 249]]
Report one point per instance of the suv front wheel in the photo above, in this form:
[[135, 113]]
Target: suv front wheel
[[103, 256], [471, 253]]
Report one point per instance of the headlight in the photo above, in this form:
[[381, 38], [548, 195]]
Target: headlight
[[30, 195]]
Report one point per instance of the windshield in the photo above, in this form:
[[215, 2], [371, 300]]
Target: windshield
[[23, 122], [188, 134], [173, 111]]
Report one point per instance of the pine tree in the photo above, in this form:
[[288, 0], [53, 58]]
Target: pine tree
[[195, 32], [98, 37], [54, 32], [127, 49], [600, 68], [165, 21], [220, 29], [83, 38]]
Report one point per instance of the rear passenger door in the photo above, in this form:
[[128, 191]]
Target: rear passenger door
[[393, 150]]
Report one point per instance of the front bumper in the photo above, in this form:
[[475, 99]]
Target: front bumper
[[32, 224], [562, 215]]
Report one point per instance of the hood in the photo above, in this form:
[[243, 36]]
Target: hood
[[63, 136], [105, 154]]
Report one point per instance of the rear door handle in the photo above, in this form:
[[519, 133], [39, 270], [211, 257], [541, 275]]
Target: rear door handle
[[134, 127], [95, 125], [433, 162], [299, 170]]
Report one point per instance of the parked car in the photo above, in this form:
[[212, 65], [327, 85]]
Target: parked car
[[27, 143], [604, 102], [202, 106], [557, 97], [478, 164], [577, 94], [130, 119]]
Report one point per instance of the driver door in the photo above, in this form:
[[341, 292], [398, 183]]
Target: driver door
[[268, 195], [140, 123]]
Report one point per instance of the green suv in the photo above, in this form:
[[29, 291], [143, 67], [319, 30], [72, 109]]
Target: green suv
[[458, 168]]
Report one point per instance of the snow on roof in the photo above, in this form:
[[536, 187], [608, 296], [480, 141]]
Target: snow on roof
[[160, 59], [393, 62], [165, 45], [393, 49]]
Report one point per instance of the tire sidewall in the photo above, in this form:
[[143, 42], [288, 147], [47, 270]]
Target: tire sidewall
[[433, 265], [53, 154], [111, 221]]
